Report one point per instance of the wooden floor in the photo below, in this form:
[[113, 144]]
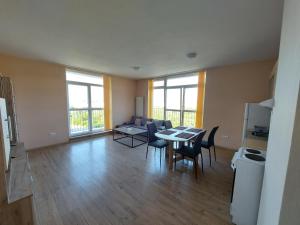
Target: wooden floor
[[98, 181]]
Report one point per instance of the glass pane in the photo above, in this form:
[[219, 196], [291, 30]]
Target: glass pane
[[97, 119], [174, 116], [83, 77], [179, 81], [79, 121], [189, 119], [190, 99], [173, 98], [97, 97], [158, 83], [78, 96], [158, 104]]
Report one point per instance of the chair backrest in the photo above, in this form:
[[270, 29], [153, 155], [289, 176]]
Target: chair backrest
[[211, 137], [197, 144], [151, 127], [168, 124]]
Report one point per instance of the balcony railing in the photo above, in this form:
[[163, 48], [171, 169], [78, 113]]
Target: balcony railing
[[97, 119], [158, 113], [79, 120], [174, 116], [189, 117]]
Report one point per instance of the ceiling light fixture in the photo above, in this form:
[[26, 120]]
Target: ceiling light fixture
[[135, 68], [191, 55]]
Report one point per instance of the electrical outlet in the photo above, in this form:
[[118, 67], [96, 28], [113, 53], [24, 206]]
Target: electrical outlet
[[52, 133]]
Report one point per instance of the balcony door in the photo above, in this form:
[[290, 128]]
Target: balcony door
[[85, 103], [181, 105], [175, 99]]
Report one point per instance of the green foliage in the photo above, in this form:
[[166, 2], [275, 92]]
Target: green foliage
[[79, 119]]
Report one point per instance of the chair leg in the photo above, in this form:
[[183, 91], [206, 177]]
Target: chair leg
[[175, 162], [195, 167], [215, 153], [147, 151], [209, 156], [160, 156], [201, 162]]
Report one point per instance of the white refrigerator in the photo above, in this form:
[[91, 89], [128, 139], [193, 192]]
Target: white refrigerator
[[5, 131]]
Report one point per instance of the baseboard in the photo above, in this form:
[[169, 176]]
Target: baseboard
[[73, 139], [88, 136]]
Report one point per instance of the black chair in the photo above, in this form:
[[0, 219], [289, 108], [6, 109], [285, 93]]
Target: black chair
[[168, 124], [210, 143], [153, 140], [192, 152]]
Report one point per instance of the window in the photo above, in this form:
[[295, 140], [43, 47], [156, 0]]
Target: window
[[179, 81], [158, 83], [158, 103], [85, 102], [175, 99]]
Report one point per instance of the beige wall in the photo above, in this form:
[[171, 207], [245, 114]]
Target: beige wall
[[227, 90], [123, 99], [41, 100], [41, 103]]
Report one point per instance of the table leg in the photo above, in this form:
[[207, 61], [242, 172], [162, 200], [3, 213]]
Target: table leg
[[170, 151]]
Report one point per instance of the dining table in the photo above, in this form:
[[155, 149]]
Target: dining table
[[177, 134]]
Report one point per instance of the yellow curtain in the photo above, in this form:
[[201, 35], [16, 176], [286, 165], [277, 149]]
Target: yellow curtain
[[150, 98], [107, 102], [200, 99]]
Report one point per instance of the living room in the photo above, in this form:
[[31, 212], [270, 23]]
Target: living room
[[74, 107]]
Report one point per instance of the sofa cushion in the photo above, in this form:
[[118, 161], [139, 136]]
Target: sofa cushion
[[138, 122]]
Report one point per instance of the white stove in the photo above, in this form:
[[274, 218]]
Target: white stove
[[253, 155], [248, 166]]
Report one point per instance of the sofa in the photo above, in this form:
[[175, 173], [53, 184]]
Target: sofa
[[141, 123]]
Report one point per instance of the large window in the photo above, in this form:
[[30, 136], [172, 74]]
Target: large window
[[85, 103], [175, 99]]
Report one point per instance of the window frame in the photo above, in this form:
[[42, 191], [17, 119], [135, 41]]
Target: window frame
[[89, 109], [182, 88]]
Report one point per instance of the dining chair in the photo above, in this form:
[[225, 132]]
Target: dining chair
[[168, 124], [210, 143], [192, 152], [154, 141]]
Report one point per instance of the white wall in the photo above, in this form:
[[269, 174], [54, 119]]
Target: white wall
[[282, 124], [291, 197]]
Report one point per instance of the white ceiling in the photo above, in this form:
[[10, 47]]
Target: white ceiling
[[112, 36]]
